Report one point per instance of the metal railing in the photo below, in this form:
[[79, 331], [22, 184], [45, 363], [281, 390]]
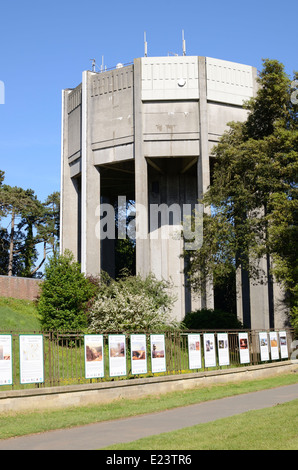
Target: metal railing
[[64, 355]]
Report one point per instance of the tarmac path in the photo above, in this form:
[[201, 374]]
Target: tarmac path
[[100, 435]]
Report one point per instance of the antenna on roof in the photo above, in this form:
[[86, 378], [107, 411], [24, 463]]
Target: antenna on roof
[[145, 45], [183, 43], [101, 67]]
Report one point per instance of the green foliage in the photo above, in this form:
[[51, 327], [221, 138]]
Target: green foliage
[[211, 319], [31, 223], [131, 303], [64, 294]]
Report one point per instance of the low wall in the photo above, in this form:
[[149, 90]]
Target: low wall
[[106, 392], [25, 288]]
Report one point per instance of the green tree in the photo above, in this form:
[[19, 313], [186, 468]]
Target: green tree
[[17, 202], [253, 195], [64, 294]]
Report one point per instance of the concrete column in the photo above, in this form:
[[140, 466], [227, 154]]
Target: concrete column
[[207, 299], [90, 191], [141, 178], [69, 219]]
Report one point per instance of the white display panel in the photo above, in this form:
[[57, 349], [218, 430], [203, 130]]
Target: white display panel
[[117, 355], [194, 351], [223, 349], [244, 348], [274, 345], [5, 360], [284, 353], [158, 353], [31, 359], [264, 347], [138, 354], [94, 356], [209, 350]]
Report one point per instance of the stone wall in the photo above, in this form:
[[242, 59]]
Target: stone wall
[[19, 287]]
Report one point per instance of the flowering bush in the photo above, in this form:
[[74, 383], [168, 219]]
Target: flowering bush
[[132, 304]]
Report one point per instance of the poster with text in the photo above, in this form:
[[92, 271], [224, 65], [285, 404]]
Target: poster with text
[[209, 350], [264, 347], [31, 359], [5, 360], [284, 353], [223, 349], [117, 355], [94, 357], [273, 345], [244, 348], [194, 351], [158, 353], [138, 354]]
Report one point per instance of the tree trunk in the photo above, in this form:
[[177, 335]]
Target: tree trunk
[[11, 244]]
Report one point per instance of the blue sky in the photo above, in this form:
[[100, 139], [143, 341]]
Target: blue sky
[[45, 46]]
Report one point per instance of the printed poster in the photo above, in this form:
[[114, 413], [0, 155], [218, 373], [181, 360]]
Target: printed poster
[[209, 350], [274, 345], [194, 351], [223, 349], [117, 355], [31, 359], [158, 353], [244, 348], [5, 360], [283, 345], [138, 354], [94, 357], [264, 346]]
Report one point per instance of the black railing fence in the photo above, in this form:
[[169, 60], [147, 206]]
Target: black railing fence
[[64, 359]]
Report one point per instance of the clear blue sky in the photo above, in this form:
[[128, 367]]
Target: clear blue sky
[[45, 46]]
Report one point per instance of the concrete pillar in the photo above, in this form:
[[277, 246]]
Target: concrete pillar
[[141, 178], [207, 297], [69, 219], [90, 191]]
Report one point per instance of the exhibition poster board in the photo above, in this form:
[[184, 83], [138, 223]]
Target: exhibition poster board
[[284, 353], [209, 350], [31, 359], [158, 353], [94, 356], [264, 347], [194, 351], [117, 355], [5, 359], [138, 354], [223, 349], [274, 345], [244, 348]]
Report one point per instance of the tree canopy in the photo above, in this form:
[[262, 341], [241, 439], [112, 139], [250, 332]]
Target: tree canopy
[[29, 222]]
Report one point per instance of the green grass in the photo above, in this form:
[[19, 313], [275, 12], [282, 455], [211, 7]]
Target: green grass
[[273, 428], [18, 424], [18, 315]]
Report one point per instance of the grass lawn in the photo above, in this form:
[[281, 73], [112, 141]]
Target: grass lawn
[[18, 424], [273, 428], [18, 315]]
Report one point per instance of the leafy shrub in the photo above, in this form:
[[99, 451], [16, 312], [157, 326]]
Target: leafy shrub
[[131, 303], [210, 319], [64, 294]]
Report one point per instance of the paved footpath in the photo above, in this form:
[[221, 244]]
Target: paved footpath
[[100, 435]]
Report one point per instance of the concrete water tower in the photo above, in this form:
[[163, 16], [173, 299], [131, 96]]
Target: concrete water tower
[[144, 132]]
